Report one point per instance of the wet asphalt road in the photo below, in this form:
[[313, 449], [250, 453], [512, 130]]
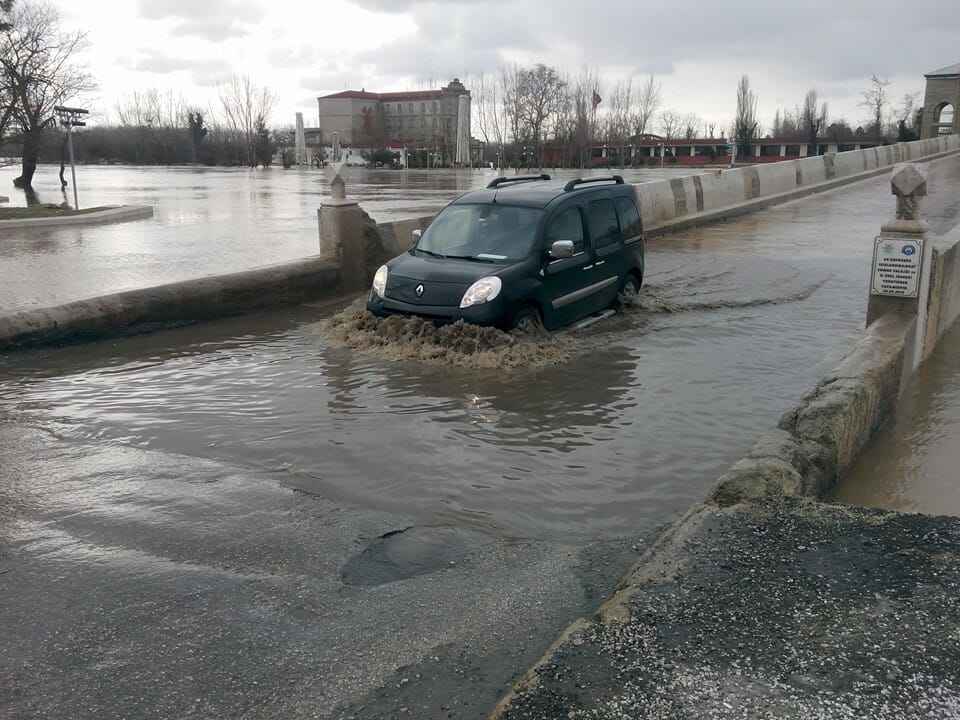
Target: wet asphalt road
[[149, 585]]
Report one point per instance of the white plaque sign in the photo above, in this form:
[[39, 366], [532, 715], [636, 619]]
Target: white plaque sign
[[896, 267]]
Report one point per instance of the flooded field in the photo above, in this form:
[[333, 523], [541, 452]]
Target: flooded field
[[207, 221]]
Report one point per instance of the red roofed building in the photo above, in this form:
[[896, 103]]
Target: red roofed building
[[425, 119]]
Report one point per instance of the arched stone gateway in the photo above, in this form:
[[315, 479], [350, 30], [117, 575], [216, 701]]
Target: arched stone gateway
[[940, 101]]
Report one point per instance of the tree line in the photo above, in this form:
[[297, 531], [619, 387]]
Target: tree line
[[521, 109], [517, 111], [40, 69]]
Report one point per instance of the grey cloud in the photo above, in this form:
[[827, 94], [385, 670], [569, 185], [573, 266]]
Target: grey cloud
[[212, 20], [155, 62]]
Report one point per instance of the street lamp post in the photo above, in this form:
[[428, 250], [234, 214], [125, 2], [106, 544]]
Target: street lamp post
[[662, 151], [69, 118]]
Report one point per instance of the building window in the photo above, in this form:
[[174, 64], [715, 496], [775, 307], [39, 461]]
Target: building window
[[433, 106], [423, 107], [399, 107], [410, 107]]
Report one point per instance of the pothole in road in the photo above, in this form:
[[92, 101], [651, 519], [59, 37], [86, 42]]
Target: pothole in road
[[405, 554]]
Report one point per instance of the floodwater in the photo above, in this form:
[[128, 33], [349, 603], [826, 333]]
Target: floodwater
[[912, 463], [595, 433], [628, 423], [207, 221]]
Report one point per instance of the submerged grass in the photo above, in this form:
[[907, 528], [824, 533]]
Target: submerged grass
[[43, 211]]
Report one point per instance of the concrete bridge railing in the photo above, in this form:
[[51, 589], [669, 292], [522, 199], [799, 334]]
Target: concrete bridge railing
[[817, 440]]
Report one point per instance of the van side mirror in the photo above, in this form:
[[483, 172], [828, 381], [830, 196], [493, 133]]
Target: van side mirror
[[561, 249], [415, 237]]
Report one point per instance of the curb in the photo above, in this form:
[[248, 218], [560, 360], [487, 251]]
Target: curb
[[115, 214]]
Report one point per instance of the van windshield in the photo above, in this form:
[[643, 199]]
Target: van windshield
[[482, 232]]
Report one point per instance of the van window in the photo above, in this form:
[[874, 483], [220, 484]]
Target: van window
[[603, 223], [629, 219], [567, 225]]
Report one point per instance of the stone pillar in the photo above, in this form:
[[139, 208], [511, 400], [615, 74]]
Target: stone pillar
[[341, 226], [898, 282]]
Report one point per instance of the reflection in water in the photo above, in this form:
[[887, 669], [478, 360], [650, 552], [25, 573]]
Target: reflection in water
[[911, 464], [646, 412], [207, 221]]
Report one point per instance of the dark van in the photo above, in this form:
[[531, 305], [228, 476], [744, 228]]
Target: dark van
[[522, 251]]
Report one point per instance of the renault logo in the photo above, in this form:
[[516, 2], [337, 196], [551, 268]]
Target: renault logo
[[419, 290]]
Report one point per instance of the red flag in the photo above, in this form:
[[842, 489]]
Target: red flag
[[596, 98]]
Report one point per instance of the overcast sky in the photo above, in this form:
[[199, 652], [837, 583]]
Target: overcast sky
[[696, 50]]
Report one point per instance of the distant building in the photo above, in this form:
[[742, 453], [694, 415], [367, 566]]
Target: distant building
[[940, 100], [424, 122]]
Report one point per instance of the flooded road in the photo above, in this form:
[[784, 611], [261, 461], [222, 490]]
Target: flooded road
[[641, 416], [913, 462], [254, 518], [207, 221]]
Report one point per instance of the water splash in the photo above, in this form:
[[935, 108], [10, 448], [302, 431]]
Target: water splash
[[467, 345], [460, 343]]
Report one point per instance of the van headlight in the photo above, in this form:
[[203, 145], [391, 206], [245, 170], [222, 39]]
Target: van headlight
[[380, 281], [483, 290]]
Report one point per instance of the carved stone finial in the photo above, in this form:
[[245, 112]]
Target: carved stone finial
[[909, 184], [337, 174]]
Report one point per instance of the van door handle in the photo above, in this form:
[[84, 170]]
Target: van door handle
[[601, 263], [588, 267]]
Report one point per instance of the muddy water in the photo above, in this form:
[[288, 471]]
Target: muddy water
[[207, 221], [629, 422], [913, 463]]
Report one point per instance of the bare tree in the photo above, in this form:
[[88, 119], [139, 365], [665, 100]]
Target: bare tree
[[6, 96], [812, 119], [619, 120], [690, 125], [905, 114], [511, 97], [489, 112], [5, 6], [584, 109], [39, 68], [246, 107], [647, 103], [745, 128], [671, 124], [533, 96], [875, 99]]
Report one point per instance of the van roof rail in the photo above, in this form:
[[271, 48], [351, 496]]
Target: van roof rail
[[618, 179], [497, 182]]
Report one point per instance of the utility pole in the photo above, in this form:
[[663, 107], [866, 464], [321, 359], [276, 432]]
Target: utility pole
[[69, 118]]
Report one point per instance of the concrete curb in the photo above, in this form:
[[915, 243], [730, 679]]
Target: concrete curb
[[182, 303], [115, 214]]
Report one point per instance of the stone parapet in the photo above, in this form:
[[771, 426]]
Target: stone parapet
[[679, 203], [175, 304]]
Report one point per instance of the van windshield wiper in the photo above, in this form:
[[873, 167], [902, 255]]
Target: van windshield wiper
[[431, 253], [476, 258]]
